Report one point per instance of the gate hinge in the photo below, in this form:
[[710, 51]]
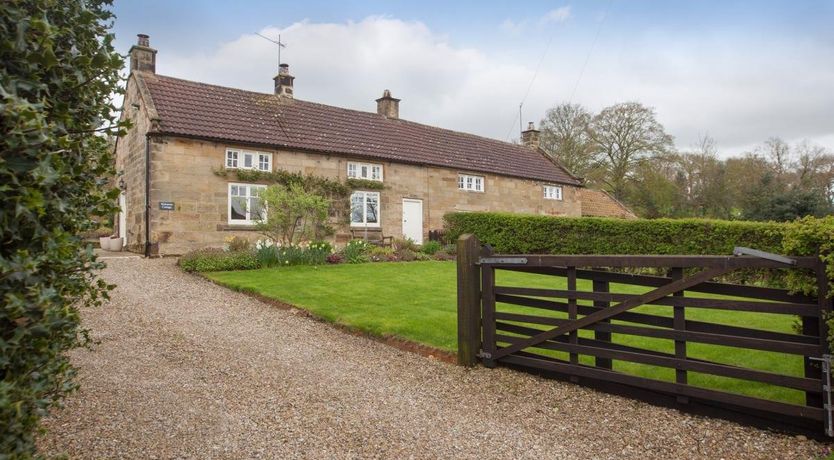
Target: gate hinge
[[503, 260], [484, 355]]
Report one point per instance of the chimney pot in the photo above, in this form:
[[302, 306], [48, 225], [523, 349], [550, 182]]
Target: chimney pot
[[284, 81], [387, 106], [530, 137], [142, 56]]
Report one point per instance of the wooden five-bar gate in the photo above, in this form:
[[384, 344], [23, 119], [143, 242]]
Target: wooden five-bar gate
[[551, 343]]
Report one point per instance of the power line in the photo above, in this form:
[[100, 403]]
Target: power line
[[530, 86], [590, 51]]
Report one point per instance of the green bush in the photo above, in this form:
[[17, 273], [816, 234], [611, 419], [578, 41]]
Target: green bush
[[431, 247], [58, 73], [356, 251], [380, 254], [528, 234], [215, 260]]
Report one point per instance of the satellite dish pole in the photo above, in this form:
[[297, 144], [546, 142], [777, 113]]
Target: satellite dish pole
[[278, 42]]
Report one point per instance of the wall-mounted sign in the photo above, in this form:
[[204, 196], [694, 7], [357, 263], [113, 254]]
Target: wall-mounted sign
[[166, 205]]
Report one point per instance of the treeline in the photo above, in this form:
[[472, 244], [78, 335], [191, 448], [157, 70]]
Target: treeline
[[624, 149]]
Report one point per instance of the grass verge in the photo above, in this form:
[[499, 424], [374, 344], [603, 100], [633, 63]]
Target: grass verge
[[416, 301]]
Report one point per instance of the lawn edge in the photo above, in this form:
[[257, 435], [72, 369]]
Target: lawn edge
[[390, 340]]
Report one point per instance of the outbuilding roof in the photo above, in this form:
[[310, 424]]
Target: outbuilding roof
[[199, 110]]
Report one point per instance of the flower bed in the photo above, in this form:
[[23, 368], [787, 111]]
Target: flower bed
[[240, 254]]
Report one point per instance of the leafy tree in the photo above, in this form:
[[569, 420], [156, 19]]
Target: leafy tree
[[773, 201], [564, 136], [622, 136], [292, 214], [58, 71], [653, 194]]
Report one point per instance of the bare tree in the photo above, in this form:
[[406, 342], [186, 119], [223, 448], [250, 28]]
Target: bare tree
[[622, 136], [564, 136], [814, 168], [779, 153]]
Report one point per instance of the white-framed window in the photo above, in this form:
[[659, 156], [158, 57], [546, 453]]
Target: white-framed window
[[245, 207], [364, 209], [369, 171], [553, 192], [231, 158], [242, 159], [471, 183]]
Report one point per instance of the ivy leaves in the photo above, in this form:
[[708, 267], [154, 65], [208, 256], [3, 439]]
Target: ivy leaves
[[58, 72]]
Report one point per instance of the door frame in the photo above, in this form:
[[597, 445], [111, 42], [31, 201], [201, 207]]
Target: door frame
[[413, 200]]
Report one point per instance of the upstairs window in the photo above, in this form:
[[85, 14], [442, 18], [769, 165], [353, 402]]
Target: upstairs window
[[368, 171], [241, 159], [553, 192], [471, 183]]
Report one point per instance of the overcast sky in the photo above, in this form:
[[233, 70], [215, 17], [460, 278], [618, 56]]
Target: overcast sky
[[738, 71]]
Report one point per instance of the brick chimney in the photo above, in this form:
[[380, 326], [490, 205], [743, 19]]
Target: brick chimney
[[283, 81], [142, 56], [530, 137], [387, 106]]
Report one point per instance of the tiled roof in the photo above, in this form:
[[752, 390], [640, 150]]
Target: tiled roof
[[597, 203], [213, 112]]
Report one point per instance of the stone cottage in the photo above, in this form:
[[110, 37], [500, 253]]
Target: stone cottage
[[183, 132]]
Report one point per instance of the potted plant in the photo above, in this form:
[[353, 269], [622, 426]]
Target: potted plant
[[104, 242], [115, 244]]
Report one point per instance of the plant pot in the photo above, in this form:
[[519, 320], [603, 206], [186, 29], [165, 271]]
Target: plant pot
[[115, 244], [104, 243]]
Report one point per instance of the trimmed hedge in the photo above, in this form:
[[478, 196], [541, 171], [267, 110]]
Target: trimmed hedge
[[531, 234], [216, 260]]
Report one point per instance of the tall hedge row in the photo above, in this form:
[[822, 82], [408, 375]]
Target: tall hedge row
[[516, 233], [58, 70]]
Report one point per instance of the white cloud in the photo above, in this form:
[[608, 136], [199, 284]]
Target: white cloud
[[736, 92], [557, 15], [350, 64]]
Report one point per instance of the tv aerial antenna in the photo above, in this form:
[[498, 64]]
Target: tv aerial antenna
[[278, 42]]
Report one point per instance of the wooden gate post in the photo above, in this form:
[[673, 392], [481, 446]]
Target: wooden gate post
[[469, 299]]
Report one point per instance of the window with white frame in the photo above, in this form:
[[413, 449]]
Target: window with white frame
[[242, 159], [364, 209], [369, 171], [471, 183], [553, 192], [245, 205]]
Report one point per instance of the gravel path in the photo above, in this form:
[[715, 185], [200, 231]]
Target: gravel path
[[187, 369]]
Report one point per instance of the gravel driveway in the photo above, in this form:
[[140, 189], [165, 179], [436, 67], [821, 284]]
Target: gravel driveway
[[187, 369]]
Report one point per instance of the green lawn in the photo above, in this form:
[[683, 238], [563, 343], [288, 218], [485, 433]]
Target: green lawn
[[417, 301]]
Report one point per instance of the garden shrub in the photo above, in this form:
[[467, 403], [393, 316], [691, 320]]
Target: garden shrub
[[269, 255], [335, 258], [380, 254], [405, 244], [58, 72], [430, 247], [514, 233], [236, 243], [529, 234], [356, 251], [214, 260]]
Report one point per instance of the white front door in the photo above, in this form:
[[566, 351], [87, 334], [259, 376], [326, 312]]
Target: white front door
[[413, 220], [123, 218]]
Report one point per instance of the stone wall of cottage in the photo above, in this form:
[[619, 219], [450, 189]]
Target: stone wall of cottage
[[183, 172], [130, 165]]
